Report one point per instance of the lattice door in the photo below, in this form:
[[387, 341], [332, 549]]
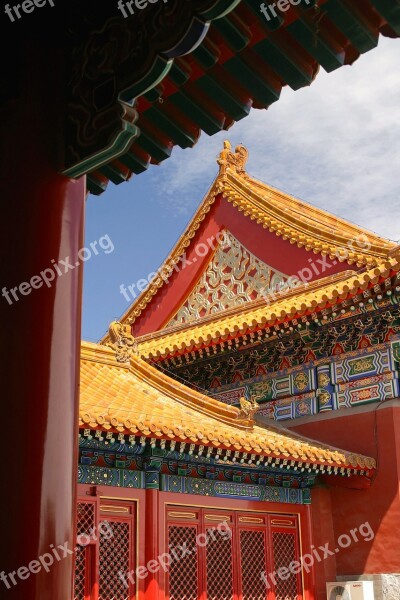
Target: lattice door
[[86, 526], [219, 568], [253, 563], [232, 567], [86, 519], [284, 552], [80, 574], [183, 573], [115, 559]]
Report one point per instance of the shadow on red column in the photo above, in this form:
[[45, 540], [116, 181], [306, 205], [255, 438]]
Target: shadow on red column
[[41, 222]]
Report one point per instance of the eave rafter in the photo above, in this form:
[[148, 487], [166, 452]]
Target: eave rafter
[[243, 62], [138, 86], [115, 60], [331, 464]]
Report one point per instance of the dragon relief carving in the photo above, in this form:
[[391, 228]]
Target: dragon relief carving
[[122, 342]]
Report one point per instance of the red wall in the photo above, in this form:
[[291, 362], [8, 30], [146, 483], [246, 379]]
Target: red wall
[[267, 246], [375, 433], [322, 532]]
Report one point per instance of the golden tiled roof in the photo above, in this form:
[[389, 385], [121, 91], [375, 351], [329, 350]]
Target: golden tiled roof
[[136, 399], [259, 314], [294, 220]]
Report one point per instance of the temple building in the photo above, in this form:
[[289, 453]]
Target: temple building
[[89, 97], [238, 425]]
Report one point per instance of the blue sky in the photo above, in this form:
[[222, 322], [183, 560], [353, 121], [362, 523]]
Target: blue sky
[[334, 144]]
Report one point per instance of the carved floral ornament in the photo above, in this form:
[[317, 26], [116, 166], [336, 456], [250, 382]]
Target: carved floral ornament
[[323, 397], [261, 389], [233, 277], [323, 380]]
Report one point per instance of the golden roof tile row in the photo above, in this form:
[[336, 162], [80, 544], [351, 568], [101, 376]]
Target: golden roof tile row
[[311, 297], [136, 398]]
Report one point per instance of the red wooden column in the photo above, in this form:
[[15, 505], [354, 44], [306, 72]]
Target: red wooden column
[[152, 588], [41, 221]]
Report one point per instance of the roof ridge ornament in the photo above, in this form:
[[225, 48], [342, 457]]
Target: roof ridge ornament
[[248, 408], [122, 342], [235, 161]]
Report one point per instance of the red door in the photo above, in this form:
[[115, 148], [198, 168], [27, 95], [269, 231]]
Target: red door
[[232, 555], [105, 550], [284, 543], [86, 550]]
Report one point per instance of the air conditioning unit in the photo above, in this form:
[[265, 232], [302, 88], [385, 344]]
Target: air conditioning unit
[[350, 590]]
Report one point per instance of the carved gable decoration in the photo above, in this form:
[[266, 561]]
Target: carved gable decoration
[[234, 276]]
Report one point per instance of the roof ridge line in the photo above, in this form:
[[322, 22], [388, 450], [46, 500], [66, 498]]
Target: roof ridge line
[[302, 233], [183, 394]]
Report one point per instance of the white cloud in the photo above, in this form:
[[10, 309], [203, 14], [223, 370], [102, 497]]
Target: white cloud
[[334, 144]]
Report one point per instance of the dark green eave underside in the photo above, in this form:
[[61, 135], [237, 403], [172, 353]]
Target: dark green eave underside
[[347, 20]]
